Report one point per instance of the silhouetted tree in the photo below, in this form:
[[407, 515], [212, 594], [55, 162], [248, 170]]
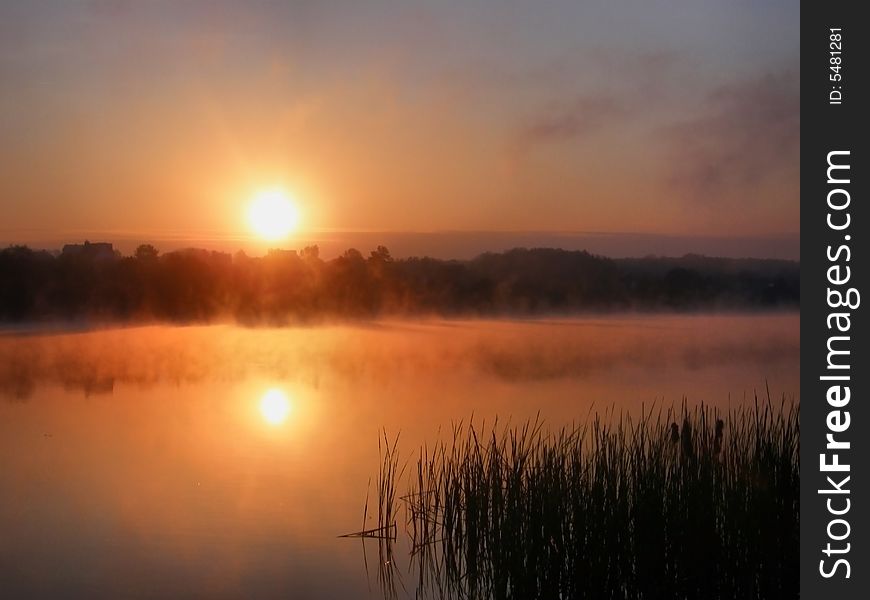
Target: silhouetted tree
[[194, 284], [381, 254], [146, 252], [311, 252]]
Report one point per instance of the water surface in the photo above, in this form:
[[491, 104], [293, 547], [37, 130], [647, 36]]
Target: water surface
[[222, 462]]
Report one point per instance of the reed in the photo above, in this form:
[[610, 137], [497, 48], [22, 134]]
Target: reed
[[386, 530], [679, 503]]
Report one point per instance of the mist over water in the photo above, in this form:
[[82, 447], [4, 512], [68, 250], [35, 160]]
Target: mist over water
[[222, 461], [384, 353]]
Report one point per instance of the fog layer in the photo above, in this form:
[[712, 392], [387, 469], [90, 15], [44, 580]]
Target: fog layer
[[385, 352]]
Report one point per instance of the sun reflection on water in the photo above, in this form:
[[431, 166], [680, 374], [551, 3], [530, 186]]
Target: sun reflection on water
[[274, 406]]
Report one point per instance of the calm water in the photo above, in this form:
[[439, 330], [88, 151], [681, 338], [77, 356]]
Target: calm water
[[222, 462]]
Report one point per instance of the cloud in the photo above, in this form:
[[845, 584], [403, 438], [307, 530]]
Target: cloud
[[747, 133], [629, 81], [580, 118]]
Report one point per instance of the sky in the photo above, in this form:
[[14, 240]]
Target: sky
[[552, 121]]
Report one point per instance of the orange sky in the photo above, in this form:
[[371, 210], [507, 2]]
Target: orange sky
[[157, 121]]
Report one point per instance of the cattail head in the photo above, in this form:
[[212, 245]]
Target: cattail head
[[675, 433], [717, 441], [686, 439]]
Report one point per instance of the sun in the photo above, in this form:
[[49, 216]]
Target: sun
[[274, 406], [272, 214]]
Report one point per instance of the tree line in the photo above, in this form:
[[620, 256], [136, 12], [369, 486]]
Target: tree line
[[199, 285]]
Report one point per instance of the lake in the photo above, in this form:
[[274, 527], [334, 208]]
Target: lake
[[223, 462]]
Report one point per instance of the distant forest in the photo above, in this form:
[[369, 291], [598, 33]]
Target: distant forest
[[93, 281]]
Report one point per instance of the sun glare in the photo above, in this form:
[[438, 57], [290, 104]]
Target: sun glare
[[272, 215], [274, 406]]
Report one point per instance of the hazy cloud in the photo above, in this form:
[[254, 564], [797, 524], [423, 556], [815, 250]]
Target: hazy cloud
[[582, 117], [627, 81], [748, 131]]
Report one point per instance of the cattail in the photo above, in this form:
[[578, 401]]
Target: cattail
[[717, 441], [483, 511], [686, 439]]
